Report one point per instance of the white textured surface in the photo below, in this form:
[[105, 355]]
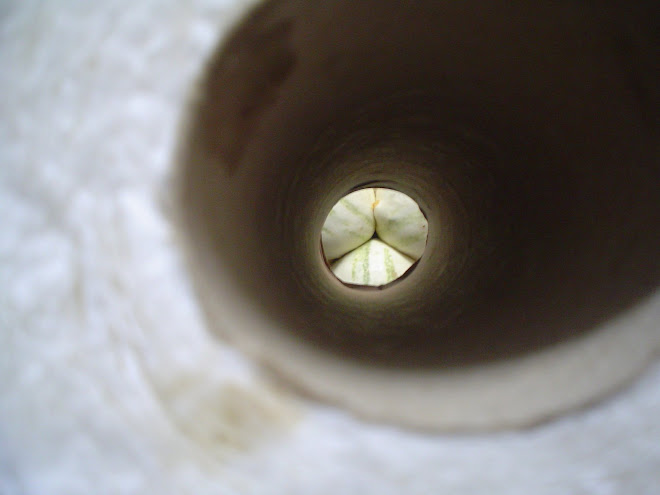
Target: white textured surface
[[349, 224], [374, 263], [108, 381], [400, 223]]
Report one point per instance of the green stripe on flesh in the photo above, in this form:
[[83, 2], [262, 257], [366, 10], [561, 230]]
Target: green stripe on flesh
[[365, 263], [389, 266], [361, 260], [355, 210]]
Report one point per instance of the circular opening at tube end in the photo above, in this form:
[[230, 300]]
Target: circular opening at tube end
[[373, 236]]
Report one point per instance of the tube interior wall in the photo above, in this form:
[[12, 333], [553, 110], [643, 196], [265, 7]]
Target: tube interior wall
[[524, 133]]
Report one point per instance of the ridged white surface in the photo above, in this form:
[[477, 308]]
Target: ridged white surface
[[109, 383], [399, 227], [349, 224], [400, 223], [374, 263]]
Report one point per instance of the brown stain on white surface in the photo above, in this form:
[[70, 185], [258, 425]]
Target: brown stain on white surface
[[225, 418]]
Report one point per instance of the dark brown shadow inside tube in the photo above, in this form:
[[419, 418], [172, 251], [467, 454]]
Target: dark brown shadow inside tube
[[527, 140]]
